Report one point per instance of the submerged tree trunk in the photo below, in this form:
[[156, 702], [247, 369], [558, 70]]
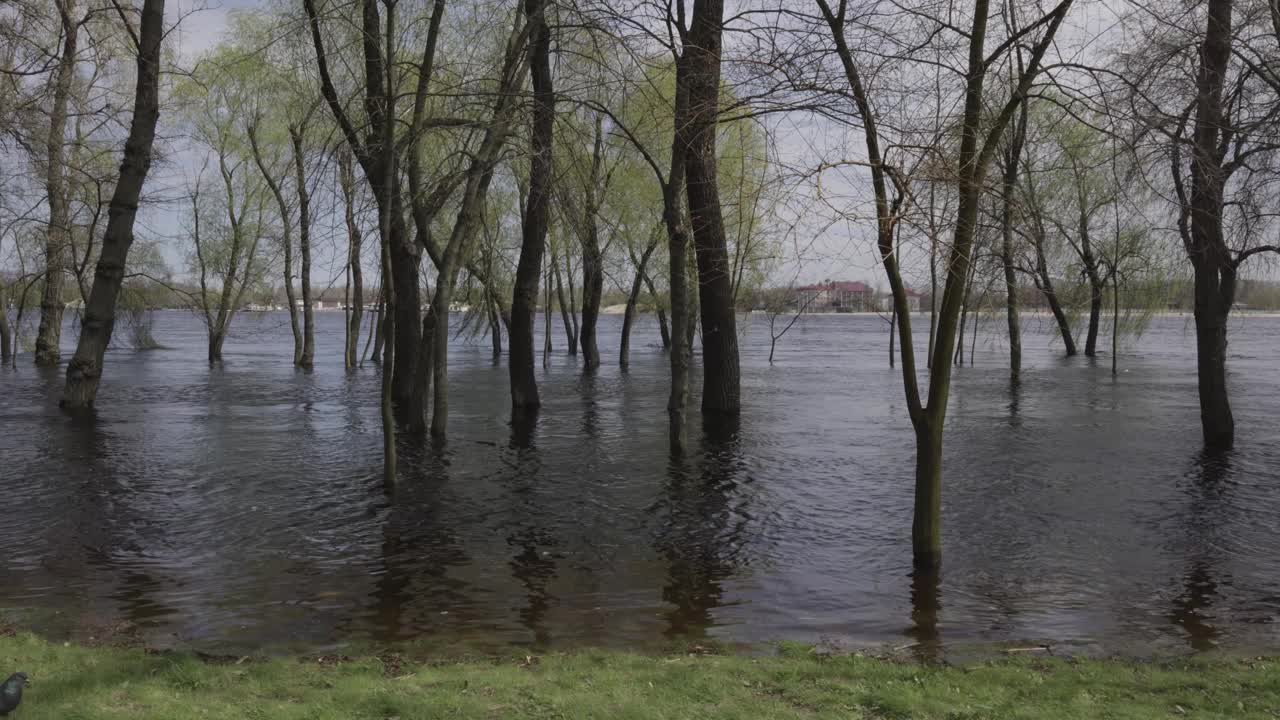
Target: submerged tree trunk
[[355, 303], [926, 520], [6, 335], [388, 213], [286, 220], [84, 372], [675, 221], [721, 390], [1115, 322], [1013, 155], [576, 335], [546, 326], [58, 235], [663, 329], [378, 327], [1055, 304], [291, 299], [1095, 315], [628, 317], [1217, 421], [524, 299], [893, 326], [405, 259], [217, 336], [304, 248], [929, 418], [592, 260], [379, 164], [933, 298], [495, 331], [424, 371], [570, 335]]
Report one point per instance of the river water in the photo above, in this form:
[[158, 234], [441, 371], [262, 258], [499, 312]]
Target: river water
[[241, 507]]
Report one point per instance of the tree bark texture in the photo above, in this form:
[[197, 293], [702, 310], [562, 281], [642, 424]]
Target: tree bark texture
[[84, 372], [721, 383], [1215, 268], [533, 241], [58, 235]]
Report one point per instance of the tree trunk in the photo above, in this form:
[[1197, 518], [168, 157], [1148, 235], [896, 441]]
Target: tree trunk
[[1095, 315], [304, 248], [663, 329], [346, 181], [573, 307], [546, 326], [58, 236], [1055, 305], [926, 522], [893, 326], [1013, 155], [1216, 419], [721, 391], [291, 299], [570, 335], [424, 372], [408, 306], [84, 372], [389, 215], [592, 262], [533, 241], [216, 337], [439, 311], [933, 295], [678, 257], [379, 341], [495, 330], [6, 335], [592, 291], [1115, 320], [628, 317]]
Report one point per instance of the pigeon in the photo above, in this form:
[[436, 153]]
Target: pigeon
[[11, 692]]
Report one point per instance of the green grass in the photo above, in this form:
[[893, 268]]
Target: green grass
[[77, 683]]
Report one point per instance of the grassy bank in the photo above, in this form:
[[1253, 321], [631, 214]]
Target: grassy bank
[[78, 683]]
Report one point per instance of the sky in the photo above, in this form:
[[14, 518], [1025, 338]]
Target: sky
[[816, 248]]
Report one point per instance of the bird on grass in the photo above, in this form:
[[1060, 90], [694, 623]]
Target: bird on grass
[[11, 692]]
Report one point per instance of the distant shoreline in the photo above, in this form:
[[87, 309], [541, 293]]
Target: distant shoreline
[[1038, 313], [621, 309]]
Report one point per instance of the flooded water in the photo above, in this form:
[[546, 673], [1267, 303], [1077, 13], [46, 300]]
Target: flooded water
[[241, 507]]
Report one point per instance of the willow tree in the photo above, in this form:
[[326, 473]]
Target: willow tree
[[279, 120], [582, 194], [980, 133], [1219, 136], [534, 219], [379, 160], [700, 75], [84, 372], [1012, 160]]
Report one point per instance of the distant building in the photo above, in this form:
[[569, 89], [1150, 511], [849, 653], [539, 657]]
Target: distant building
[[846, 296], [837, 296]]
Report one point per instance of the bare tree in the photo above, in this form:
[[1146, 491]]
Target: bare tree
[[58, 242], [700, 73], [355, 273], [524, 301], [1219, 139], [84, 372], [980, 134]]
